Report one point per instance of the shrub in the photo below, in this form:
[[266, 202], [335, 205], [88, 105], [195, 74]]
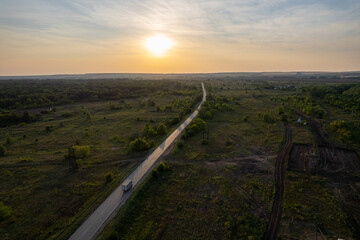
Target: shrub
[[5, 211], [205, 114], [174, 121], [78, 163], [139, 145], [27, 117], [155, 173], [26, 159], [168, 108], [197, 125], [109, 177], [180, 144], [268, 118], [49, 128], [8, 139], [161, 167], [113, 236], [229, 142], [340, 128], [151, 103], [78, 152], [161, 129], [149, 131], [67, 114], [2, 151]]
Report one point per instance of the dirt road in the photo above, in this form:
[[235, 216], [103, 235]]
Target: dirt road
[[275, 217]]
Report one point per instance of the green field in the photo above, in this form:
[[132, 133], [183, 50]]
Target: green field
[[224, 176], [217, 182], [47, 197]]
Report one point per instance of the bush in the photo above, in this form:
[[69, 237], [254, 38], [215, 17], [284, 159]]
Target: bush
[[155, 173], [78, 152], [174, 121], [5, 211], [180, 144], [229, 142], [113, 236], [149, 131], [168, 108], [78, 163], [161, 167], [49, 128], [140, 144], [26, 159], [68, 114], [268, 118], [8, 139], [109, 177], [161, 129], [340, 127], [197, 125], [2, 151]]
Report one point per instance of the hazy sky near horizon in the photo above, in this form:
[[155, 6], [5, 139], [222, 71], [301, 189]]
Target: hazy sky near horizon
[[88, 36]]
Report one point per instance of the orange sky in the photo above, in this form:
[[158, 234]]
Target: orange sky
[[217, 36]]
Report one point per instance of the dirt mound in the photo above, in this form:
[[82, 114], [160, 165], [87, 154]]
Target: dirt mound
[[305, 157]]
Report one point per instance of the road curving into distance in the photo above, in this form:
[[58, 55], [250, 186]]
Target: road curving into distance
[[96, 221]]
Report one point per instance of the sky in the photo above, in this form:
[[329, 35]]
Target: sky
[[92, 36]]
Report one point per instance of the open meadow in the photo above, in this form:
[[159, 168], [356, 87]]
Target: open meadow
[[47, 192], [219, 183]]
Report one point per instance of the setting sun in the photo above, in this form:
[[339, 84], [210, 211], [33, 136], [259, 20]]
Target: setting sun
[[158, 44]]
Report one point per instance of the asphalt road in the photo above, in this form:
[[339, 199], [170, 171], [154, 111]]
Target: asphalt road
[[95, 222]]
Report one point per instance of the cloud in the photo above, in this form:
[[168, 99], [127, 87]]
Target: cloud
[[202, 26], [256, 21]]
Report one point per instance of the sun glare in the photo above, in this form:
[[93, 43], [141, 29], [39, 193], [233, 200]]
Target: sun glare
[[158, 45]]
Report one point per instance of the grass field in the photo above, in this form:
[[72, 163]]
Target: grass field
[[217, 183], [47, 198]]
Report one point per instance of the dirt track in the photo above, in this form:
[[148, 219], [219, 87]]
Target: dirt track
[[275, 217]]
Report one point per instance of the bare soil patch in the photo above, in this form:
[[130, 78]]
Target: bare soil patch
[[305, 157]]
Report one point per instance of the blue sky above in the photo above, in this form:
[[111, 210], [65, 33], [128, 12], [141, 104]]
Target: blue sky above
[[320, 27]]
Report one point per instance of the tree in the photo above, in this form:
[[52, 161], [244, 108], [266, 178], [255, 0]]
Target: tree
[[161, 129], [149, 131], [140, 144], [197, 125], [26, 117], [109, 177], [75, 155], [8, 139], [5, 211], [2, 151]]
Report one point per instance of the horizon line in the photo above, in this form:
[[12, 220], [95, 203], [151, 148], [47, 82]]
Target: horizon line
[[176, 73]]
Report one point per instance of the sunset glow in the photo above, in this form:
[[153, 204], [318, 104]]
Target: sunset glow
[[158, 45], [50, 37]]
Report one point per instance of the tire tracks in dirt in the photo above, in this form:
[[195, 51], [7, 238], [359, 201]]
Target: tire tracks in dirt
[[275, 216]]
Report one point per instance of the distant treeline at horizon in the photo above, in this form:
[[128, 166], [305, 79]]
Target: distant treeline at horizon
[[355, 75]]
